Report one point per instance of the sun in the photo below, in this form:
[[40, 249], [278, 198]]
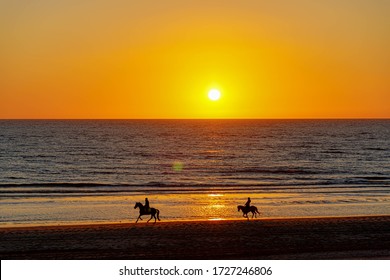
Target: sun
[[214, 94]]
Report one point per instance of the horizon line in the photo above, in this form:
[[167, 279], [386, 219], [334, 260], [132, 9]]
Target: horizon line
[[155, 119]]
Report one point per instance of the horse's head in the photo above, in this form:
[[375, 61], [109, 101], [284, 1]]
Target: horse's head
[[238, 208], [137, 204]]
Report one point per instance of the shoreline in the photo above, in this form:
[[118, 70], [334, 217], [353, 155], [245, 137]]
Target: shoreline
[[127, 223], [363, 237]]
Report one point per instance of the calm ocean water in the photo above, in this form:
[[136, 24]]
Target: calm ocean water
[[94, 170]]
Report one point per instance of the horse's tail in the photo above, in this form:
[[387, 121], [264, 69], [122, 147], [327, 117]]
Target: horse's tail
[[158, 214], [257, 211]]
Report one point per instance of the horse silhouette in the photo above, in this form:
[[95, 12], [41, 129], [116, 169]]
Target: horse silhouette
[[142, 212], [245, 210]]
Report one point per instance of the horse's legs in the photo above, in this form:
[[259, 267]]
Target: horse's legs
[[151, 217], [139, 217]]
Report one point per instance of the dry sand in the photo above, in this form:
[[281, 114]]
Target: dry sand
[[303, 238]]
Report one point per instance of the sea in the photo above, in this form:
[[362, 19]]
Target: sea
[[55, 172]]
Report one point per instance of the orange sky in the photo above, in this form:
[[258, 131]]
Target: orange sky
[[158, 59]]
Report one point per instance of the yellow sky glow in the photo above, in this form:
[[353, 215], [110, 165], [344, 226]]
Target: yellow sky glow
[[159, 59]]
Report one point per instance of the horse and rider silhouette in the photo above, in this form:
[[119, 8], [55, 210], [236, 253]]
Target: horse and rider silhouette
[[248, 208], [155, 213], [146, 210]]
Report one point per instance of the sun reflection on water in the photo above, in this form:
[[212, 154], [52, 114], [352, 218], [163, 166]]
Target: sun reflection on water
[[214, 194], [216, 219]]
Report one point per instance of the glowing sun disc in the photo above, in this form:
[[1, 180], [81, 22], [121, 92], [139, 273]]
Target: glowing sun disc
[[214, 94]]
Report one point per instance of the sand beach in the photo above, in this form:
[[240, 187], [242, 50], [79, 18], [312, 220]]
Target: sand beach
[[300, 238]]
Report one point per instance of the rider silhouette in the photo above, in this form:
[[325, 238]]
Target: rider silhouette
[[147, 208], [248, 203]]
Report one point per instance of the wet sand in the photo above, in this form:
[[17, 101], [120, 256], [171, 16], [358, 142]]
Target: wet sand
[[302, 238]]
